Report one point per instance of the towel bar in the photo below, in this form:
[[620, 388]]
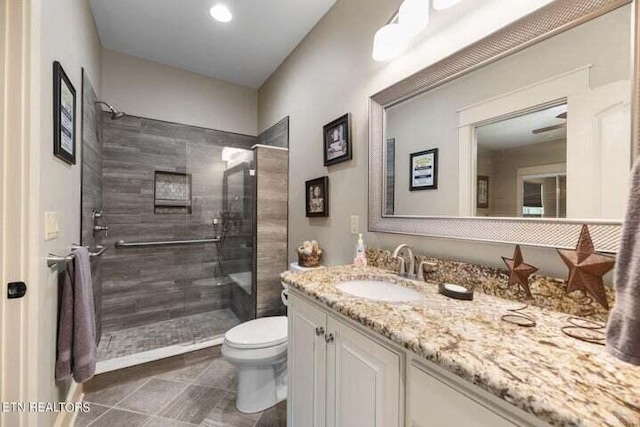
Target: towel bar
[[122, 244], [53, 260]]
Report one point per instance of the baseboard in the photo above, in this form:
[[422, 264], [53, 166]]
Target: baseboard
[[75, 395]]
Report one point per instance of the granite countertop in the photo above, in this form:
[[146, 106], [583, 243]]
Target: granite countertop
[[561, 380]]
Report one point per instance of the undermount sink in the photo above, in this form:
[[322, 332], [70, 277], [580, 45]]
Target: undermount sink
[[379, 291]]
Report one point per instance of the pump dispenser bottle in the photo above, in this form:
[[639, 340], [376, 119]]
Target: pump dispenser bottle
[[361, 257]]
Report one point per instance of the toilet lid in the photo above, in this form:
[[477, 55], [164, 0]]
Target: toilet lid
[[258, 333]]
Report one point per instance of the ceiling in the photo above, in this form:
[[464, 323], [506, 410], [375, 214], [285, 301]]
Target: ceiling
[[182, 34], [518, 131]]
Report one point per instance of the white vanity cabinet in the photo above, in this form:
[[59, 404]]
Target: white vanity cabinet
[[342, 375], [338, 377], [434, 402]]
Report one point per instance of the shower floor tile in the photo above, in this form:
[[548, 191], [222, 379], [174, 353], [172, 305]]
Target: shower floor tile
[[183, 330]]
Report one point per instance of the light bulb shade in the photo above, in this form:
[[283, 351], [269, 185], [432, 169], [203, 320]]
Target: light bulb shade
[[221, 13], [413, 16], [389, 42], [444, 4]]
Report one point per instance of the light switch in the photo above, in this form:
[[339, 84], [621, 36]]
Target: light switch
[[51, 225], [355, 224]]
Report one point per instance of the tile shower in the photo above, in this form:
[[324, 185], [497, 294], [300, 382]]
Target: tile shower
[[155, 182]]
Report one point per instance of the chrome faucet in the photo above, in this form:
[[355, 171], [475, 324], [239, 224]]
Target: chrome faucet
[[97, 228], [401, 269], [412, 273]]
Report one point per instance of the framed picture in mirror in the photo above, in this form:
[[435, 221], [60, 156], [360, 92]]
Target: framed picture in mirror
[[424, 170], [337, 141], [317, 199], [483, 192]]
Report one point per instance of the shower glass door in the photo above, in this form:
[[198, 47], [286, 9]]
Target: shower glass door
[[162, 183]]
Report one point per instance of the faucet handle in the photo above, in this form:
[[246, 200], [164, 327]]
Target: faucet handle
[[426, 267]]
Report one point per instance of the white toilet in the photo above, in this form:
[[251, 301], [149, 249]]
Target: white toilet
[[258, 348]]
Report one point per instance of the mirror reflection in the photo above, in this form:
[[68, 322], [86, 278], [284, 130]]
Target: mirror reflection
[[542, 133]]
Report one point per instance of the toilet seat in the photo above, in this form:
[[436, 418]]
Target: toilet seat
[[259, 333]]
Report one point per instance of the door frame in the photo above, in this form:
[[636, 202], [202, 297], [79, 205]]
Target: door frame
[[15, 155]]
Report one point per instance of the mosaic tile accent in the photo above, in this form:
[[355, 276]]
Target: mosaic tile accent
[[182, 330], [548, 292], [173, 186]]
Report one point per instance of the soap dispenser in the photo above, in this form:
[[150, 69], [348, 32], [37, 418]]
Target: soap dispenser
[[361, 257]]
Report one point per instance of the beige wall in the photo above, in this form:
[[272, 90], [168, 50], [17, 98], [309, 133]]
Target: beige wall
[[149, 89], [330, 73], [61, 30]]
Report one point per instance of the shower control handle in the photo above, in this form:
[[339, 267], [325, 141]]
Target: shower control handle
[[319, 331], [329, 338], [99, 228]]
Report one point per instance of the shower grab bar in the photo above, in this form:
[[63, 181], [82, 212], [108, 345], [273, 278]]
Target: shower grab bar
[[53, 260], [122, 244]]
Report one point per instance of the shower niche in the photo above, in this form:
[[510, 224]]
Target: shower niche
[[172, 193]]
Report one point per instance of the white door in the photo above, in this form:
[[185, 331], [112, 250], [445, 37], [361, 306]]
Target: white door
[[598, 136], [306, 364], [363, 380], [14, 202]]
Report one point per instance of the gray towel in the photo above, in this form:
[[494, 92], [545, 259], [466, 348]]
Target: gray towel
[[77, 324], [623, 329]]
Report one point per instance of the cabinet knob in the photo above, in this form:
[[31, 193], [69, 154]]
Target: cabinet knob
[[319, 331], [329, 338]]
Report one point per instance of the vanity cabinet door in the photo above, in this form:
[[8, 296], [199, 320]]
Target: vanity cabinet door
[[434, 403], [363, 380], [306, 364]]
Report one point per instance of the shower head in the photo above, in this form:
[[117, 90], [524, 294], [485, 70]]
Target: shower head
[[115, 114]]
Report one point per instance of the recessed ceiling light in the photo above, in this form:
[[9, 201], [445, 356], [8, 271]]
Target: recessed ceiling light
[[220, 13]]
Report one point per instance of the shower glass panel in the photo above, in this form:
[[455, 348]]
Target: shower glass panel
[[164, 182]]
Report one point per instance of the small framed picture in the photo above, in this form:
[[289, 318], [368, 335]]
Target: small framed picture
[[64, 116], [317, 191], [337, 141], [424, 170], [482, 194]]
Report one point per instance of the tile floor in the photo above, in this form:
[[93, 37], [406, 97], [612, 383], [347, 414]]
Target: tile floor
[[182, 330], [202, 394]]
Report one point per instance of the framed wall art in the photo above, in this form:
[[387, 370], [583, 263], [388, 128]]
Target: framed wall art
[[317, 199], [64, 116], [337, 141]]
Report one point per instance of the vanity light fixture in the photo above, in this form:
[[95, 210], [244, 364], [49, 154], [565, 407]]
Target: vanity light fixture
[[444, 4], [413, 15], [221, 13], [389, 42]]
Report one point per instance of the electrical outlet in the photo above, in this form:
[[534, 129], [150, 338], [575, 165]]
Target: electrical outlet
[[51, 225], [355, 224]]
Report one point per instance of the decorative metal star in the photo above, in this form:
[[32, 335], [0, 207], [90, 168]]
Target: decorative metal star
[[520, 271], [586, 268]]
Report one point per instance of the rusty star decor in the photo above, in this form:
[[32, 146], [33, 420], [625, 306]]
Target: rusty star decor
[[520, 271], [586, 268]]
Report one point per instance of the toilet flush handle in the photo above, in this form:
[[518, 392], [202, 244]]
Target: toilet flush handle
[[319, 331]]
